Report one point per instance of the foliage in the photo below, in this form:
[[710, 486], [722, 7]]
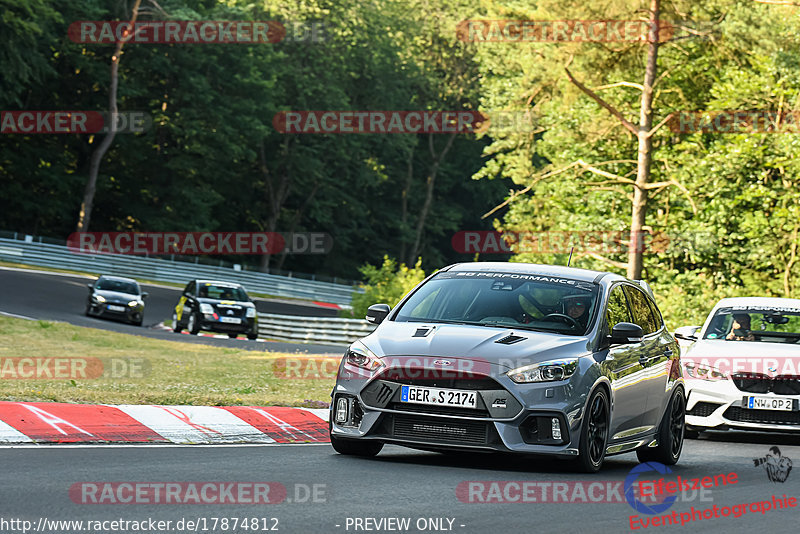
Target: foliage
[[386, 284]]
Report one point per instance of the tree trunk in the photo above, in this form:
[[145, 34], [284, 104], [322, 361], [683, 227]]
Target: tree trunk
[[85, 215], [276, 194], [436, 161], [404, 201], [636, 251]]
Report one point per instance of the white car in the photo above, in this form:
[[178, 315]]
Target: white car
[[744, 376]]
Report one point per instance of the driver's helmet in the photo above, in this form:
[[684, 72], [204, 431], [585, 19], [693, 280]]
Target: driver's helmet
[[576, 302]]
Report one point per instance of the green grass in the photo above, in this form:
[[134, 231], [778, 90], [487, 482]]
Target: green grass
[[168, 372]]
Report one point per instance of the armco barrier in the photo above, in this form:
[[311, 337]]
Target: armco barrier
[[58, 256], [312, 329]]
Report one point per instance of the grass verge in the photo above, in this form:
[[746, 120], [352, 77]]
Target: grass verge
[[140, 370]]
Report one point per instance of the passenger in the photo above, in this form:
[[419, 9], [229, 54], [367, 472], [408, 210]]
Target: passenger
[[741, 328]]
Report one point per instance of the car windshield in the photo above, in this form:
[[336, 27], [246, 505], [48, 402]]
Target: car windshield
[[771, 324], [521, 301], [120, 286], [220, 292]]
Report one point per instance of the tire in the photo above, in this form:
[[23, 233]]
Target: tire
[[252, 336], [176, 327], [594, 433], [671, 433], [86, 311], [232, 335], [137, 323], [352, 447], [193, 326]]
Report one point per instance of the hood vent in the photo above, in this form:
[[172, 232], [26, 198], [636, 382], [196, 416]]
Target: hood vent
[[510, 339], [422, 332]]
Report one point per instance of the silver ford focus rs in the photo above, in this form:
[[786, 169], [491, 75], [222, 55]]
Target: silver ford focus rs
[[515, 357]]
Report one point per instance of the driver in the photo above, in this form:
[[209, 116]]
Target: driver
[[741, 328], [577, 309]]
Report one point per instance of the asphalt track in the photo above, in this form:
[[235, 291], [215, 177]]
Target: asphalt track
[[398, 483], [61, 297]]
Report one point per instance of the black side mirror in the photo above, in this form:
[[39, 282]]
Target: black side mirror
[[145, 294], [377, 313], [626, 333], [90, 286]]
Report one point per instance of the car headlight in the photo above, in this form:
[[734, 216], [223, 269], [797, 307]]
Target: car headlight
[[99, 298], [551, 371], [133, 303], [703, 372], [206, 309], [358, 355], [251, 312]]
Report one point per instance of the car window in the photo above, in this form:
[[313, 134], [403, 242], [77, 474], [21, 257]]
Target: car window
[[515, 300], [220, 292], [105, 284], [617, 309], [641, 311], [656, 314], [189, 289]]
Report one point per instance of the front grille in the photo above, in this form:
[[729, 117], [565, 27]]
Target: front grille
[[444, 378], [734, 413], [760, 383], [703, 409], [439, 430], [438, 410], [223, 311]]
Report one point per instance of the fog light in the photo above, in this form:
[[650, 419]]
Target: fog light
[[341, 410], [556, 428]]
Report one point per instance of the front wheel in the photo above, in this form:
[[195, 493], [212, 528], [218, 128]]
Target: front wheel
[[352, 447], [176, 327], [670, 434], [594, 433], [252, 336], [194, 325]]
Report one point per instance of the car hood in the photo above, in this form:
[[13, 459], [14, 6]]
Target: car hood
[[472, 342], [116, 296]]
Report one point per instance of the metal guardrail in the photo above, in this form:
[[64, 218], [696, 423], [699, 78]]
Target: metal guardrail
[[312, 329], [59, 256]]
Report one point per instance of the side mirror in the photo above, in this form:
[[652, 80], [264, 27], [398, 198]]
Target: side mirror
[[377, 313], [90, 286], [626, 333], [145, 294], [687, 333]]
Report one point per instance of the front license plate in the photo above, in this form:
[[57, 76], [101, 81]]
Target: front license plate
[[232, 320], [436, 396], [116, 308], [769, 403]]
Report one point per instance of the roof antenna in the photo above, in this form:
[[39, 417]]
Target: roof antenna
[[570, 256]]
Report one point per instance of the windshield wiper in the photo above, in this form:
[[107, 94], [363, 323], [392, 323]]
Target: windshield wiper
[[445, 321]]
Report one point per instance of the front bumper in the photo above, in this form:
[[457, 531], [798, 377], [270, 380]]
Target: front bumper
[[718, 405], [130, 313], [247, 325], [509, 417]]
